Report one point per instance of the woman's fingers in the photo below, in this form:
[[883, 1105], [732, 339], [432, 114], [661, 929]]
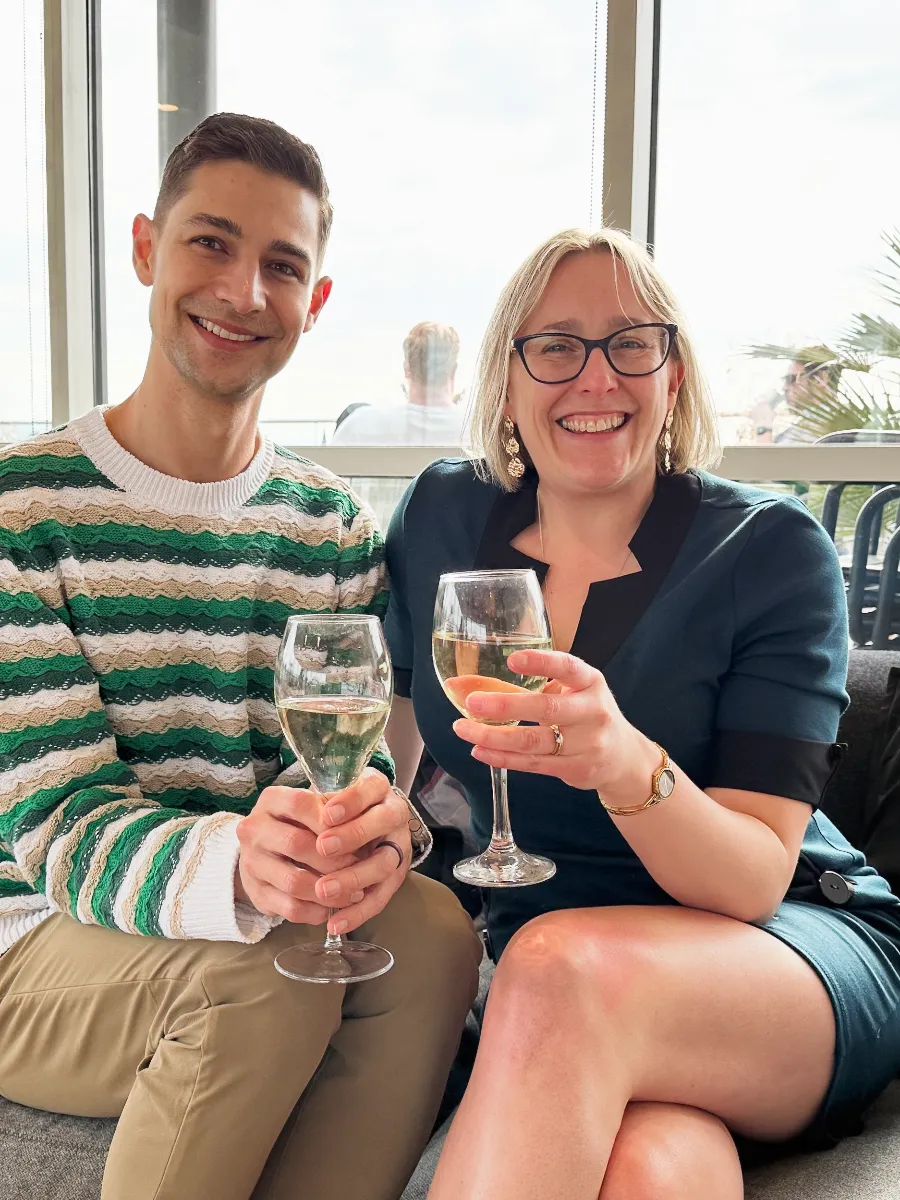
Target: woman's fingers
[[541, 708], [532, 739], [567, 669]]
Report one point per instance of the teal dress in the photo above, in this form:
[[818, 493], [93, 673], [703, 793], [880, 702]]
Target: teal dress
[[729, 648]]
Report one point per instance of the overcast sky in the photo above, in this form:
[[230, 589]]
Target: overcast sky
[[455, 137]]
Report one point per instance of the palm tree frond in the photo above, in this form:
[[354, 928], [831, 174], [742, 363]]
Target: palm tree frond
[[871, 335]]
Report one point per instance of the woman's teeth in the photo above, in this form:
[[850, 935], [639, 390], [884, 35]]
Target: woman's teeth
[[595, 425]]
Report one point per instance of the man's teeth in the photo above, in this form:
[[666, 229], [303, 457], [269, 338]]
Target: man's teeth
[[224, 333], [600, 425]]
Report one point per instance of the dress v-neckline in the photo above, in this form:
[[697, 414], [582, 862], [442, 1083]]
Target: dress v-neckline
[[613, 606]]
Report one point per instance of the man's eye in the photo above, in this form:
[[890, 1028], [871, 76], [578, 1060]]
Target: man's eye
[[208, 243], [285, 269]]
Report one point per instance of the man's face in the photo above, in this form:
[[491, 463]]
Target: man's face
[[804, 382], [233, 270]]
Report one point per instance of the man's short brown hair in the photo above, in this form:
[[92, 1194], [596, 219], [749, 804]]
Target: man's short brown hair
[[430, 353], [234, 137]]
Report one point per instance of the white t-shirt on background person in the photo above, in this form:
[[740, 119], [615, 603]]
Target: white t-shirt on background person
[[404, 425]]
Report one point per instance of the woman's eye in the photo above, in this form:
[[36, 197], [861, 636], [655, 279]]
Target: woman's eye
[[558, 348]]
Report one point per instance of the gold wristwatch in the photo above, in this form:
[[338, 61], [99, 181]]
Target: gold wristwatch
[[662, 786]]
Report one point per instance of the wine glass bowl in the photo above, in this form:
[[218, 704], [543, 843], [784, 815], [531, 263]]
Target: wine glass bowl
[[480, 619], [333, 689]]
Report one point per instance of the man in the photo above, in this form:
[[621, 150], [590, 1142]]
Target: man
[[156, 851], [774, 418], [432, 415]]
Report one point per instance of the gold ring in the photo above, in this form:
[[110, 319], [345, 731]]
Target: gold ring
[[559, 739]]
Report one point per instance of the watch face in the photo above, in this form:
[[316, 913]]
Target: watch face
[[665, 785]]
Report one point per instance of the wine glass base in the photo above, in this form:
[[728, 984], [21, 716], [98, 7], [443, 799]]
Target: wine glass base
[[504, 868], [354, 962]]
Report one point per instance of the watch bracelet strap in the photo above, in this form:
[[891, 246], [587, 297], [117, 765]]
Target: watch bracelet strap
[[654, 799], [419, 833]]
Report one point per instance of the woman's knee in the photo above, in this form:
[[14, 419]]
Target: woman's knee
[[569, 959], [672, 1152]]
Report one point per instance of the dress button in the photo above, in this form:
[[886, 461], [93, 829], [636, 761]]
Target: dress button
[[836, 888]]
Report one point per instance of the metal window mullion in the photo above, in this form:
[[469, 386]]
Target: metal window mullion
[[629, 144], [69, 207]]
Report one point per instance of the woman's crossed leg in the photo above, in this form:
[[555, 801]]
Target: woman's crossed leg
[[619, 1044]]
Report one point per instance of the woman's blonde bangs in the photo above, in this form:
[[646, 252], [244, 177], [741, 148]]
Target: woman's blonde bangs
[[695, 441]]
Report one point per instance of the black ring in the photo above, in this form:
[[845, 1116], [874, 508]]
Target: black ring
[[393, 846]]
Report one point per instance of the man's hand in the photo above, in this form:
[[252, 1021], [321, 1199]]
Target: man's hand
[[279, 864], [354, 821]]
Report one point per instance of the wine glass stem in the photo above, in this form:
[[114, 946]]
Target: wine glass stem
[[333, 941], [501, 838]]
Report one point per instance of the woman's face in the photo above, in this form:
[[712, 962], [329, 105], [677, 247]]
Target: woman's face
[[583, 298]]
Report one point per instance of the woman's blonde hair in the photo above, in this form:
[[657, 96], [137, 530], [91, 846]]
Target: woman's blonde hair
[[695, 441]]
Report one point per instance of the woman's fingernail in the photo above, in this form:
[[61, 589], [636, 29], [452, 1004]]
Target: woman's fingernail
[[331, 888], [357, 897], [339, 926], [331, 845], [335, 813], [476, 703]]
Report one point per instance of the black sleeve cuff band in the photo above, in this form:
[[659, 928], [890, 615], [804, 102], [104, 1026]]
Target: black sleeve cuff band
[[773, 765], [403, 682]]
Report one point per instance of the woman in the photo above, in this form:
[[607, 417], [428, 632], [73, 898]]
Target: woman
[[692, 973]]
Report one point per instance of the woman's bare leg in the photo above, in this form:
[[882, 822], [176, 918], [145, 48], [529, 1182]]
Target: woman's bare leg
[[672, 1152], [593, 1008]]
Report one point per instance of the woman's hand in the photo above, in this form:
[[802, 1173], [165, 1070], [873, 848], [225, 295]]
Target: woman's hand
[[599, 750]]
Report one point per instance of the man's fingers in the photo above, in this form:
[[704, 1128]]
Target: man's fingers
[[272, 903], [338, 888], [375, 899], [373, 824], [297, 805], [370, 789]]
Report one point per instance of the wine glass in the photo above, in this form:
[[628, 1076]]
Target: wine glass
[[333, 688], [480, 618]]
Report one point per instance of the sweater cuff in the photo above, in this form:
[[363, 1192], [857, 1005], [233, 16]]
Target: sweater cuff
[[208, 908]]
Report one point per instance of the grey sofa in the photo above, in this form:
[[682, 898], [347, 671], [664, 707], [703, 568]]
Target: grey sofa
[[45, 1156]]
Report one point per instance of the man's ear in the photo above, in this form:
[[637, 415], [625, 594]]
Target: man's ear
[[143, 238], [320, 294]]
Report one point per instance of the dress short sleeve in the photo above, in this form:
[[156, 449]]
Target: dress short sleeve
[[781, 700], [397, 622]]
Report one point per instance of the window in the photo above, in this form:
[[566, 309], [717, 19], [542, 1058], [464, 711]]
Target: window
[[25, 406], [454, 138], [777, 176]]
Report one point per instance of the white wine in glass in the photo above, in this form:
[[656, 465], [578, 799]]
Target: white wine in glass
[[480, 619], [333, 689]]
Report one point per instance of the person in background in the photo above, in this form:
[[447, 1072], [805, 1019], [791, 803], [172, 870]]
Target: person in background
[[159, 844], [431, 416], [774, 418]]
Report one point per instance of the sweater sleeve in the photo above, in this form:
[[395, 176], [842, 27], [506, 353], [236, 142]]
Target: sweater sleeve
[[72, 814]]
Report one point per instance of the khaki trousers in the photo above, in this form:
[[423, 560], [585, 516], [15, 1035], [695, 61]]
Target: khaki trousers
[[209, 1057]]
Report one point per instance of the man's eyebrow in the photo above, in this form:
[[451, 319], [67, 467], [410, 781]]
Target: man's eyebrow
[[223, 223], [279, 246]]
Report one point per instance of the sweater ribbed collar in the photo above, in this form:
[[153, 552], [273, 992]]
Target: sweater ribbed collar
[[165, 492]]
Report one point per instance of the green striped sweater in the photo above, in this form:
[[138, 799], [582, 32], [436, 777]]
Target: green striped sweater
[[140, 616]]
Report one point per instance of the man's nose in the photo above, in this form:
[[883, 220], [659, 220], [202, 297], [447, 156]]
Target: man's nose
[[241, 285]]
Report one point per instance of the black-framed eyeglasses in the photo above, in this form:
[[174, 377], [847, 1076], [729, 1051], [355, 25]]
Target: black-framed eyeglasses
[[561, 357]]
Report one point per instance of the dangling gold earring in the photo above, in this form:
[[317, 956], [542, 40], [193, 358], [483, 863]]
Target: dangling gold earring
[[667, 444], [515, 466]]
